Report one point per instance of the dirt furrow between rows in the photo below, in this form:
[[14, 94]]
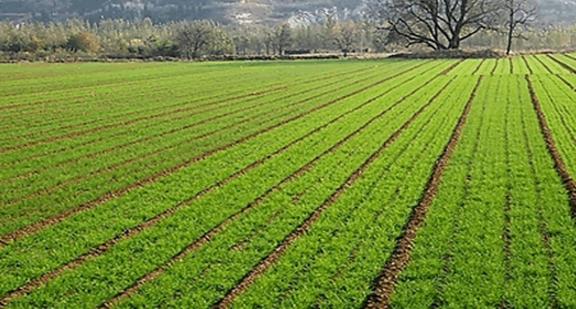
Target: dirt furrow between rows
[[254, 95], [511, 66], [237, 95], [507, 209], [122, 124], [99, 85], [479, 66], [222, 226], [559, 163], [562, 64], [301, 230], [565, 81], [157, 152], [386, 282], [527, 65], [175, 130], [132, 232], [493, 72], [36, 227]]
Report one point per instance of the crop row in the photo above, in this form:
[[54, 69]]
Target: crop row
[[565, 61], [469, 67], [181, 123], [487, 67], [558, 105], [190, 77], [95, 112], [161, 229], [107, 104], [335, 263], [30, 101], [33, 72], [521, 65], [120, 211], [181, 154], [115, 75], [117, 125], [379, 184], [493, 235]]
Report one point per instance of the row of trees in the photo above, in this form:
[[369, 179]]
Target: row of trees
[[117, 38], [183, 39], [390, 25], [445, 24]]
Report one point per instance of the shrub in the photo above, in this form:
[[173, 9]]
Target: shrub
[[83, 41]]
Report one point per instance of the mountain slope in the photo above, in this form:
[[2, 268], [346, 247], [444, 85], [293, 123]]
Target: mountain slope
[[226, 11], [257, 11]]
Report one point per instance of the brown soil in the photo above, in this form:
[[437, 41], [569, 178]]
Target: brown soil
[[218, 229], [37, 227], [559, 163], [546, 66], [562, 64], [479, 66], [169, 132], [132, 232], [300, 231], [494, 68], [385, 283], [527, 65], [566, 82]]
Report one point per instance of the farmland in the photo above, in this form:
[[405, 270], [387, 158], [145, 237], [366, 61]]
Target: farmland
[[389, 183]]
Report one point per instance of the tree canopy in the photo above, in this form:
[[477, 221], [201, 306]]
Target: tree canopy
[[439, 24]]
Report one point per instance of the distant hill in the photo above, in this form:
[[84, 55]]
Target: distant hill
[[225, 11]]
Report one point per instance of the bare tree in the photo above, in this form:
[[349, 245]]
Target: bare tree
[[346, 37], [283, 38], [439, 24], [519, 14], [269, 39], [329, 31], [193, 37]]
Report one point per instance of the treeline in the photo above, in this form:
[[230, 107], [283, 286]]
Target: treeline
[[196, 39], [207, 39]]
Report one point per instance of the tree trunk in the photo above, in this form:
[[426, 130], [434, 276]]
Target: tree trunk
[[509, 43], [510, 28], [454, 42], [455, 39]]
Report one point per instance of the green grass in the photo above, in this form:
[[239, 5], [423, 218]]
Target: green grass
[[143, 160]]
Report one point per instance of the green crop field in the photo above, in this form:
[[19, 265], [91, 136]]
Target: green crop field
[[340, 184]]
